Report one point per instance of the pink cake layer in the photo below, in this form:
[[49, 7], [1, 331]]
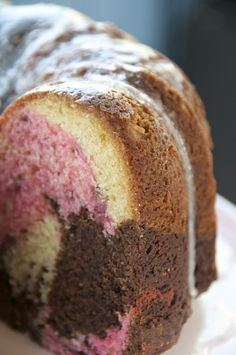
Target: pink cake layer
[[39, 161], [114, 343]]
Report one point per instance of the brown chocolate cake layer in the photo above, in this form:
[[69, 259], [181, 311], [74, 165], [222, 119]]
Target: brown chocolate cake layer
[[205, 271], [17, 311], [91, 287], [147, 272], [96, 277]]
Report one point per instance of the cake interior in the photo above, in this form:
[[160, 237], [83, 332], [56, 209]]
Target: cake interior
[[48, 175], [42, 166], [77, 268]]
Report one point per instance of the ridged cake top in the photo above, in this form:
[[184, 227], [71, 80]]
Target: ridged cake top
[[35, 40]]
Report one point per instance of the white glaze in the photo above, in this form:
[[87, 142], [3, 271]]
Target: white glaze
[[169, 72], [105, 49], [57, 21]]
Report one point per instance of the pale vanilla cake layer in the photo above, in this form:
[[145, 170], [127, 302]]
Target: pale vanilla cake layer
[[99, 143], [30, 261]]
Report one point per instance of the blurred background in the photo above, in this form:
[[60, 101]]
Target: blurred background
[[199, 35]]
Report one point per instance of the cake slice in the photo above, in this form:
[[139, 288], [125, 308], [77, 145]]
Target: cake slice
[[107, 223], [86, 266]]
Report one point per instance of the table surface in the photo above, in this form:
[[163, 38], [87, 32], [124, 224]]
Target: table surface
[[211, 330]]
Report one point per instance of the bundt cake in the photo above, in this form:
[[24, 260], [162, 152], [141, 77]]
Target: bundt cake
[[107, 222]]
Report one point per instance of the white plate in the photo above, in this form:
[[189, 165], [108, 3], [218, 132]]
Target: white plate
[[211, 330]]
